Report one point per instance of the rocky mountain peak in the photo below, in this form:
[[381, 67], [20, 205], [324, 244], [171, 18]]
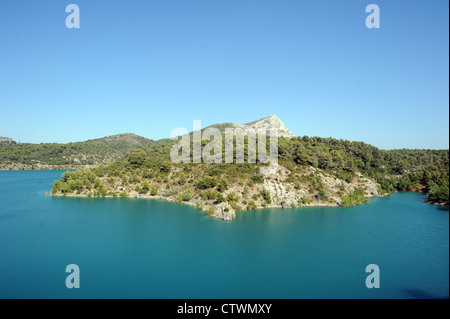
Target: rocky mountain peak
[[7, 140], [271, 121]]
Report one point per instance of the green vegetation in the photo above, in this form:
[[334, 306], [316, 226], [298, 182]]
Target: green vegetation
[[251, 205], [411, 170], [206, 182], [303, 201], [355, 197], [306, 159], [266, 196], [91, 152]]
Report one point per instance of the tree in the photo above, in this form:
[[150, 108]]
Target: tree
[[206, 182], [56, 187], [137, 157], [222, 185], [97, 183], [220, 198], [164, 167], [266, 195]]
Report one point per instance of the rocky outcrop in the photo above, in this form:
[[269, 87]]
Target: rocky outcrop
[[266, 123], [6, 140], [269, 122], [223, 211], [282, 194], [369, 186]]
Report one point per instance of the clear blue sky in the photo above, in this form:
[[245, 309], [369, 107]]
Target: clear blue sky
[[147, 67]]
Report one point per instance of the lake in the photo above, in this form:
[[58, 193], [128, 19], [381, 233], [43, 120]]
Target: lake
[[140, 248]]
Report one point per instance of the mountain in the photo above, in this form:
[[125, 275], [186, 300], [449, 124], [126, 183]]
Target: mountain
[[71, 155], [271, 121], [6, 141]]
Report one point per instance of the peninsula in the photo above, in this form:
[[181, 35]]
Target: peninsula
[[311, 171]]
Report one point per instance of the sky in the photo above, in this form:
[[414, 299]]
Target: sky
[[148, 67]]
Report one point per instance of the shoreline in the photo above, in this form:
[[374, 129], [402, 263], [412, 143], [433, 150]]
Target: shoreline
[[42, 167], [195, 204]]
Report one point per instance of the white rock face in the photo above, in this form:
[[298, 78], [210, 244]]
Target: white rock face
[[371, 188], [269, 122], [270, 170], [266, 123], [219, 212], [6, 140], [282, 194]]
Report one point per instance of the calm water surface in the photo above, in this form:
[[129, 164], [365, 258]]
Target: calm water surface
[[137, 248]]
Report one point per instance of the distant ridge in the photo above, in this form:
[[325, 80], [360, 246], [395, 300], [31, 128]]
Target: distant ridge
[[70, 155]]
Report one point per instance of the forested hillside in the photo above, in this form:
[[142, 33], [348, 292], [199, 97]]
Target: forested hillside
[[312, 171], [405, 169], [70, 155]]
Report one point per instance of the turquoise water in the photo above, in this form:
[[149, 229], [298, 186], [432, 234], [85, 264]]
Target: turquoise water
[[137, 248]]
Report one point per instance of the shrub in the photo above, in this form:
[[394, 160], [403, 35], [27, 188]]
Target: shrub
[[222, 185], [257, 179], [353, 198], [235, 206], [214, 171], [220, 198], [148, 175], [209, 195], [303, 201], [186, 197], [266, 195], [206, 182], [251, 205], [322, 194], [232, 197], [182, 179], [134, 179], [164, 167]]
